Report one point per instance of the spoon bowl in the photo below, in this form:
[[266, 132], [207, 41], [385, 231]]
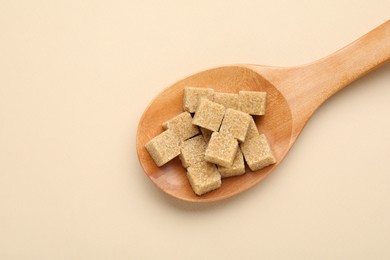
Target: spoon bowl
[[293, 94], [171, 177]]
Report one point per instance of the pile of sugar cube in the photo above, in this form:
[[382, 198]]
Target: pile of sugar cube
[[213, 143]]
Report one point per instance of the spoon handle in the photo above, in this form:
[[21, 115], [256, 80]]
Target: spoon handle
[[327, 76], [306, 87]]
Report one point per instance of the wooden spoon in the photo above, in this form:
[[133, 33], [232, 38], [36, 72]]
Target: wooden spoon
[[293, 94]]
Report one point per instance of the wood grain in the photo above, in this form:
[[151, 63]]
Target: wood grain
[[293, 94]]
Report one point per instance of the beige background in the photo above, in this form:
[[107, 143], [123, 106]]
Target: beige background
[[75, 77]]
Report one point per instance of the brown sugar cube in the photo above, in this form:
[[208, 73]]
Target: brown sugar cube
[[221, 149], [192, 97], [203, 177], [238, 167], [252, 102], [182, 126], [252, 130], [228, 100], [235, 123], [192, 151], [206, 134], [209, 115], [164, 147], [257, 152]]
